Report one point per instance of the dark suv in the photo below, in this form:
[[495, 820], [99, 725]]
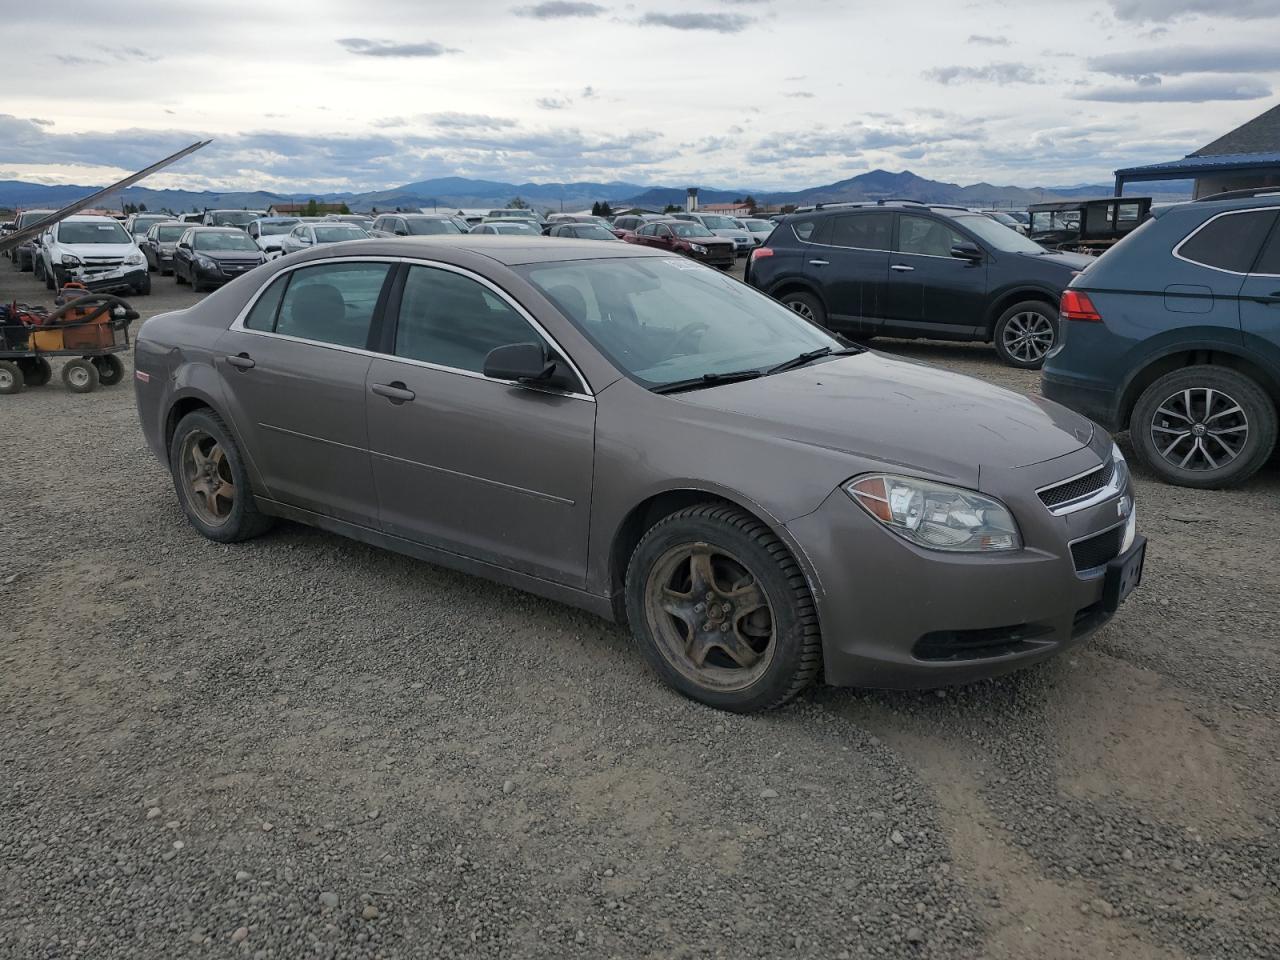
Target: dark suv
[[1174, 335], [903, 269]]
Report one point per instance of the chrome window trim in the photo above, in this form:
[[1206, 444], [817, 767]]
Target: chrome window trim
[[1217, 216], [1113, 488], [238, 326]]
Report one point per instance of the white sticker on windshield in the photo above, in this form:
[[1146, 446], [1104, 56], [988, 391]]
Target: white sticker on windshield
[[681, 264]]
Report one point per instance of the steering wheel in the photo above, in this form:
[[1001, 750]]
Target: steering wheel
[[688, 333]]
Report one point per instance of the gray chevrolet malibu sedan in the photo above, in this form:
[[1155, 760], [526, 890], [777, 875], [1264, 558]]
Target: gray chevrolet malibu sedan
[[644, 437]]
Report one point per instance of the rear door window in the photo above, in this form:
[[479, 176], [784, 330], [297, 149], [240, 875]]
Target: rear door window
[[333, 303], [804, 230], [925, 236], [865, 231], [1229, 242]]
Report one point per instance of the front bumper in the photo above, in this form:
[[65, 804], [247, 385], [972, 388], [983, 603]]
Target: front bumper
[[220, 274], [123, 278], [897, 616]]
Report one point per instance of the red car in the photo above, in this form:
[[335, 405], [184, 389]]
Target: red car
[[692, 240], [629, 223]]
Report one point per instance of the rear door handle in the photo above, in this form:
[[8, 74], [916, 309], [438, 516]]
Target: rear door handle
[[396, 392], [820, 263], [901, 267], [241, 361]]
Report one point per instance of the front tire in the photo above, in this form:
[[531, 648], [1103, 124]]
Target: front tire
[[144, 286], [1204, 426], [12, 379], [36, 371], [211, 480], [177, 276], [807, 305], [1025, 333], [721, 610]]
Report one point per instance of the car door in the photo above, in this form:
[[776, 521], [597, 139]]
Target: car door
[[482, 468], [1260, 301], [294, 368], [182, 256], [850, 263], [928, 291]]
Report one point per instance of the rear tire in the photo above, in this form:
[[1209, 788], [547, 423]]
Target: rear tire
[[1230, 421], [1025, 333], [177, 277], [144, 286], [11, 377], [36, 371], [80, 376], [722, 611], [807, 305], [204, 460], [110, 369]]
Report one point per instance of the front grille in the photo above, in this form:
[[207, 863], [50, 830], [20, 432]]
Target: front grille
[[1097, 550], [982, 643], [1080, 487]]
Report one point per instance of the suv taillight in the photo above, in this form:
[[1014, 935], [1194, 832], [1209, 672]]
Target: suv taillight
[[1077, 306], [760, 252]]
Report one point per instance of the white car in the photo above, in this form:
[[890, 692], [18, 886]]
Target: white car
[[96, 251], [307, 235], [723, 226], [269, 233], [759, 229]]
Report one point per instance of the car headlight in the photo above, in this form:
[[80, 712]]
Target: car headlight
[[936, 515], [697, 248], [69, 261], [134, 259], [206, 262]]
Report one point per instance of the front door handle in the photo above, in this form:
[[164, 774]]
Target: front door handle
[[901, 267], [819, 263], [396, 392], [241, 361]]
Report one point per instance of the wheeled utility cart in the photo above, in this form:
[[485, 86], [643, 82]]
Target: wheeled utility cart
[[92, 328]]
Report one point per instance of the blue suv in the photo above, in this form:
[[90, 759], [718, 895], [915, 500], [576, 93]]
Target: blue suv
[[1174, 335]]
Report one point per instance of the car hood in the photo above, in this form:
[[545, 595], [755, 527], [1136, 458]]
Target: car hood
[[98, 250], [732, 234], [902, 413], [1074, 262], [232, 255]]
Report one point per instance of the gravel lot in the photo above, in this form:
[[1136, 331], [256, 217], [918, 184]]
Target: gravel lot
[[305, 747]]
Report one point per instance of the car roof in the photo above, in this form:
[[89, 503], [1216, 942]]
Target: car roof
[[201, 228], [87, 218], [420, 216], [1232, 203], [508, 250]]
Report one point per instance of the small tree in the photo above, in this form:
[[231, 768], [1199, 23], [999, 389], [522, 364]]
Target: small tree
[[671, 208], [595, 208], [750, 201], [518, 203], [313, 210], [605, 209], [344, 209], [142, 208]]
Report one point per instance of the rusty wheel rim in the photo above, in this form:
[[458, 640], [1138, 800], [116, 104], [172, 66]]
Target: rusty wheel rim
[[710, 616], [206, 474]]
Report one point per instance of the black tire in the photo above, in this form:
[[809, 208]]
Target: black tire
[[110, 369], [36, 371], [807, 305], [1214, 392], [144, 286], [243, 520], [1025, 333], [25, 266], [177, 276], [196, 285], [741, 544], [12, 379], [80, 376]]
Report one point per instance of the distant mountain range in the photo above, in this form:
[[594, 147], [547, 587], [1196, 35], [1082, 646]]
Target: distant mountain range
[[461, 192]]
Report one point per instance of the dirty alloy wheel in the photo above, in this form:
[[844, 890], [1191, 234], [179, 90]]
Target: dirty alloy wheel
[[721, 610], [1204, 426], [37, 371], [110, 369], [1025, 333], [11, 377], [80, 376], [211, 481]]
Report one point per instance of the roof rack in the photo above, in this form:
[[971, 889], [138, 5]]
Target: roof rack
[[839, 203], [919, 203], [1271, 191]]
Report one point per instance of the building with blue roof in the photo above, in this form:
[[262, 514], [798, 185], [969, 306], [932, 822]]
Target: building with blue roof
[[1246, 158]]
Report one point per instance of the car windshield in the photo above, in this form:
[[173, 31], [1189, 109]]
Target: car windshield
[[69, 231], [271, 228], [519, 228], [234, 218], [718, 223], [431, 228], [142, 224], [998, 235], [32, 216], [338, 233], [223, 240], [1004, 218], [504, 214], [1055, 220], [690, 230], [167, 234], [759, 226], [663, 320], [592, 231]]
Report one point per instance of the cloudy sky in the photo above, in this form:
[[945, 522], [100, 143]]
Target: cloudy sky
[[326, 95]]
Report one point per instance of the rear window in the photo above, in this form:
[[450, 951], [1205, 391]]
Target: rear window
[[803, 229], [866, 231], [1229, 242], [1269, 262]]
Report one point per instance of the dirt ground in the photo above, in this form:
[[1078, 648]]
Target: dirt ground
[[305, 747]]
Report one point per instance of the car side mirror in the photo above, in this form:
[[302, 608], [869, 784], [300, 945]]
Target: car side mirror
[[184, 246], [967, 251], [402, 233], [522, 362], [305, 241]]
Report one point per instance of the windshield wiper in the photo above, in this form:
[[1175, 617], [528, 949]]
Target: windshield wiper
[[706, 380], [812, 355]]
